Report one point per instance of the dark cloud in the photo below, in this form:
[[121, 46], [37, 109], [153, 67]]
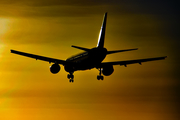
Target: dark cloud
[[59, 2], [56, 8], [148, 6]]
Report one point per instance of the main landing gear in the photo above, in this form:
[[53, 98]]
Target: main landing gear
[[70, 77], [100, 77]]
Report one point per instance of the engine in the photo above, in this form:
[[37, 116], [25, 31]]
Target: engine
[[107, 70], [55, 68]]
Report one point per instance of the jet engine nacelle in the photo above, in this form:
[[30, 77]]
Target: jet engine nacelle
[[107, 70], [55, 68]]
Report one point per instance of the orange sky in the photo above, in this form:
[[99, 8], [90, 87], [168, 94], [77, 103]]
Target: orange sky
[[29, 91]]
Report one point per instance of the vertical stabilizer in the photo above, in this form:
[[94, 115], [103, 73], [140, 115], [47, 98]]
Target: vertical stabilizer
[[102, 33]]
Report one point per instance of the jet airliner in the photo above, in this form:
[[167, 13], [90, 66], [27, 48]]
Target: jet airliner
[[89, 59]]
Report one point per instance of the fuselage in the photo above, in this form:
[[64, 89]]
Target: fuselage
[[86, 60]]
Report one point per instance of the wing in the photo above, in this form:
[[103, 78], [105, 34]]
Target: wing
[[38, 57], [125, 63]]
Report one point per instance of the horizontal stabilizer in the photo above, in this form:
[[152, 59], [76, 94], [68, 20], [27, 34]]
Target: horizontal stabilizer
[[81, 48], [115, 51]]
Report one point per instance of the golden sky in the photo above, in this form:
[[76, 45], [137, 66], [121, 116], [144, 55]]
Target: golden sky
[[49, 27]]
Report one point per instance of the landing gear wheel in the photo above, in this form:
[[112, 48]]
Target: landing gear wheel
[[100, 77], [70, 77], [71, 80]]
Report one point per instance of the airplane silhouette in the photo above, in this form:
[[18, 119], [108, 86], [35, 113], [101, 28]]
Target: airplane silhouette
[[90, 58]]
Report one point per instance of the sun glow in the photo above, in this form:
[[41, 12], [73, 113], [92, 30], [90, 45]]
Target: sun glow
[[3, 25], [1, 49]]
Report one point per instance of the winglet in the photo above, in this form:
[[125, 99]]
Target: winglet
[[102, 32]]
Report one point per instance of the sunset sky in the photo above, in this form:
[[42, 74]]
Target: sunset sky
[[28, 90]]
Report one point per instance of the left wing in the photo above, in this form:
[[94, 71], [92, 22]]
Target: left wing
[[38, 57], [125, 63]]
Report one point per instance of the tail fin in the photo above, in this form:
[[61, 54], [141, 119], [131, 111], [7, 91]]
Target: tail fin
[[102, 33]]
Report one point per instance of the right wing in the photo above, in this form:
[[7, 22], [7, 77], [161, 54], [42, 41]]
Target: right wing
[[125, 63], [38, 57]]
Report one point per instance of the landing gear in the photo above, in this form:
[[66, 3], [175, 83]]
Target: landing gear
[[70, 77], [71, 80], [100, 77]]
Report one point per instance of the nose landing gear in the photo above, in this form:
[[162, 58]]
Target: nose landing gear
[[100, 77], [70, 77]]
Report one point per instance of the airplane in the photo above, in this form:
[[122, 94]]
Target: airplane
[[89, 59]]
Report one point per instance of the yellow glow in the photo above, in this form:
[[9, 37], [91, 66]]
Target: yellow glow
[[3, 25], [1, 50], [29, 91]]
